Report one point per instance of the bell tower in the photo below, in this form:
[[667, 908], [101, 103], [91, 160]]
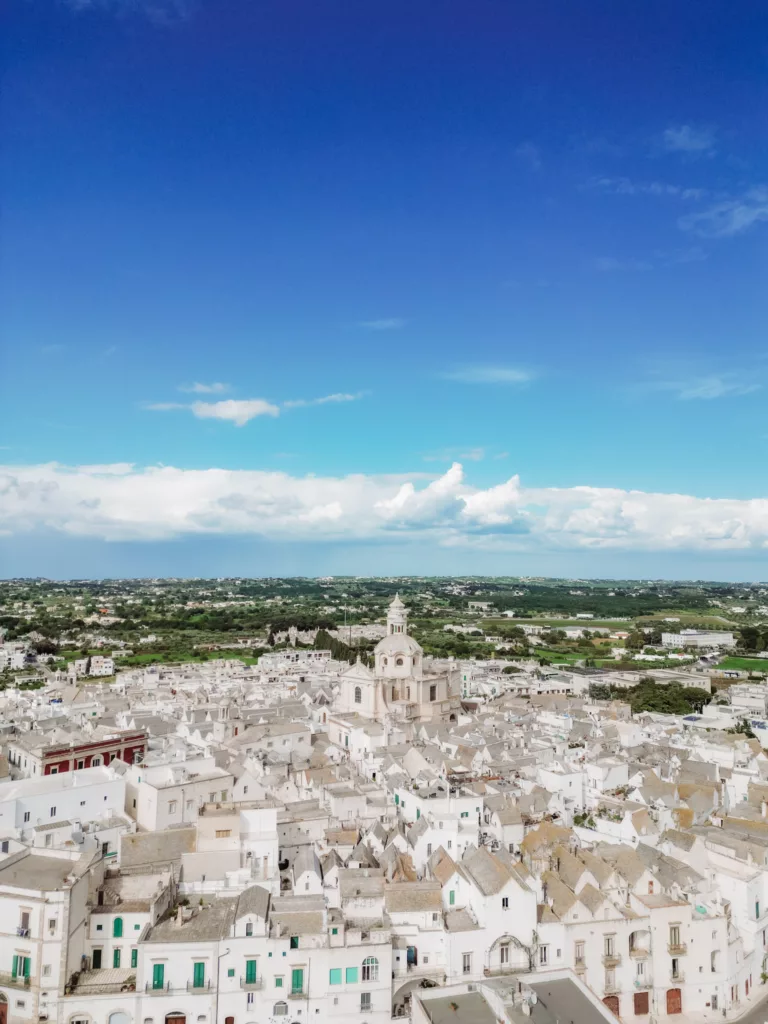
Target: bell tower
[[397, 617]]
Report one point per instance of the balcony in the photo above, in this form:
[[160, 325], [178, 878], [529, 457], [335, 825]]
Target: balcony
[[611, 959], [23, 933], [580, 966], [297, 993], [639, 953], [612, 987], [643, 983], [677, 977], [8, 980], [192, 987], [251, 986], [678, 949]]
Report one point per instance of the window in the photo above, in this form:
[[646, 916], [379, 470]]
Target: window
[[466, 963], [116, 957], [294, 942], [452, 897], [650, 888], [543, 955], [609, 946], [46, 970], [351, 976], [433, 692], [96, 959], [674, 935], [137, 927], [223, 833], [26, 815], [399, 661], [4, 846], [297, 981], [358, 695], [158, 976], [280, 1010], [52, 924], [230, 972], [48, 839], [250, 972], [21, 967], [117, 928], [171, 806], [370, 969], [134, 958], [198, 975], [505, 902], [503, 955], [334, 931], [53, 812], [249, 929], [675, 967], [334, 976], [578, 952], [365, 1002], [279, 981]]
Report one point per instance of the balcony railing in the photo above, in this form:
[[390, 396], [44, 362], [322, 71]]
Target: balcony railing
[[580, 965], [297, 993], [677, 949], [611, 959], [204, 987], [677, 977], [251, 986], [644, 982], [166, 987], [612, 987], [23, 933], [13, 982], [639, 953]]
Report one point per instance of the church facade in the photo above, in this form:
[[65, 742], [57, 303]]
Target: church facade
[[403, 687]]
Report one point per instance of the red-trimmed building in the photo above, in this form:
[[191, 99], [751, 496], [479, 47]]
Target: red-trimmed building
[[32, 755]]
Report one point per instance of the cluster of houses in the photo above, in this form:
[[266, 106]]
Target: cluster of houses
[[309, 841]]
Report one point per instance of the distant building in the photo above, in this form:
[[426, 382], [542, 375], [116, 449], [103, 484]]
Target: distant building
[[702, 638]]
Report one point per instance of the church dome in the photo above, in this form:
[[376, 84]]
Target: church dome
[[397, 643]]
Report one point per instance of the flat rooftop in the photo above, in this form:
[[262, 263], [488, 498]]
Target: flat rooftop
[[563, 1002], [36, 872], [464, 1008]]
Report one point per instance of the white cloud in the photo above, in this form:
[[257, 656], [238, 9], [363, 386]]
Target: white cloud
[[729, 217], [391, 323], [628, 187], [216, 388], [237, 410], [688, 139], [453, 454], [128, 503], [339, 396], [530, 154], [711, 385], [491, 375]]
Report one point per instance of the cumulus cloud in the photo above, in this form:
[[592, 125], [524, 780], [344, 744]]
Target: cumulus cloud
[[688, 139], [237, 410], [217, 388], [122, 502], [490, 375]]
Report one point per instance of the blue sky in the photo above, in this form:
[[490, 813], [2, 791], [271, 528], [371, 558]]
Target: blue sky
[[354, 244]]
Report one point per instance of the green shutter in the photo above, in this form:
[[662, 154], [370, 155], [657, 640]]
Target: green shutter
[[115, 957], [134, 958], [351, 976], [397, 799], [117, 928], [198, 976], [297, 980], [158, 976], [27, 964], [15, 969], [452, 897], [335, 978], [250, 972]]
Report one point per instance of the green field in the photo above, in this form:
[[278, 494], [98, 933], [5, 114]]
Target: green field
[[745, 664]]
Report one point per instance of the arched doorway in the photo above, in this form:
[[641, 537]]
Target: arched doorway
[[119, 1017], [175, 1018], [674, 1000], [612, 1002]]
